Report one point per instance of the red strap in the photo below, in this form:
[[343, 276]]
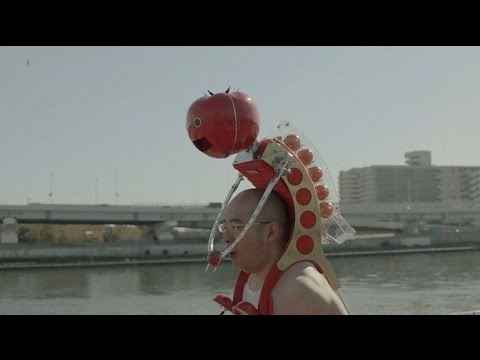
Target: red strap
[[245, 308]]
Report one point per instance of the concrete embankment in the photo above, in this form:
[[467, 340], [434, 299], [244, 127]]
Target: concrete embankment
[[392, 241], [139, 253], [45, 255], [472, 312]]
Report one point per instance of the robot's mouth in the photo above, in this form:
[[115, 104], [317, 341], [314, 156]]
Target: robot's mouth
[[202, 144]]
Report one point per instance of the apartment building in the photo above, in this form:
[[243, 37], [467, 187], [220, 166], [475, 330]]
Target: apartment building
[[417, 181]]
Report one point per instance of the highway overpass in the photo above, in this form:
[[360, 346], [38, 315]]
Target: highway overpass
[[393, 215]]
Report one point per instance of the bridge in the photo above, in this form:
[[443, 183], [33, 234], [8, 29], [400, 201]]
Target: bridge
[[107, 214], [157, 219], [454, 212], [388, 216]]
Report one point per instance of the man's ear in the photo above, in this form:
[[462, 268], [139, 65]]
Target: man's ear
[[274, 231]]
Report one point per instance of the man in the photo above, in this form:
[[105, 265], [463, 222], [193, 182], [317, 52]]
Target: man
[[301, 289]]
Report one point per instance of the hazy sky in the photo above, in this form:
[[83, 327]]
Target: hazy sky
[[86, 122]]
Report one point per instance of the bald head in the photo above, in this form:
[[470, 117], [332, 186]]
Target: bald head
[[274, 209]]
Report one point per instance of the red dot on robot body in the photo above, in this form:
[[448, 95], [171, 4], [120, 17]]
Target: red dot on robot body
[[308, 219], [303, 196], [304, 244], [295, 176]]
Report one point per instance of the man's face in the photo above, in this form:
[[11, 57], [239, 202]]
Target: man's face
[[248, 254]]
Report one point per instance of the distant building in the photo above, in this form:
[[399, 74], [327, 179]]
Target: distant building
[[418, 158], [418, 181], [474, 185]]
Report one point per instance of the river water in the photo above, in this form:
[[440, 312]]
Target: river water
[[420, 283]]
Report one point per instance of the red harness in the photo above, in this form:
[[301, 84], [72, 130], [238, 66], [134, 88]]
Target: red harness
[[265, 303]]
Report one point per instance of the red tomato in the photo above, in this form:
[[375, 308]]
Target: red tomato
[[292, 141], [322, 192], [223, 124], [315, 173], [305, 156], [326, 209]]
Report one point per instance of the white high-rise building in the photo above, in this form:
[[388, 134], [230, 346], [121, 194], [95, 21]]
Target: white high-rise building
[[418, 181]]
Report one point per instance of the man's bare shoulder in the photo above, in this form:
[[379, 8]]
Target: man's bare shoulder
[[304, 290]]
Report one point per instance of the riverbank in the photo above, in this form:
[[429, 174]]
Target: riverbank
[[122, 253], [90, 260]]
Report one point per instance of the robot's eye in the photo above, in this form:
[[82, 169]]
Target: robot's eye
[[197, 122]]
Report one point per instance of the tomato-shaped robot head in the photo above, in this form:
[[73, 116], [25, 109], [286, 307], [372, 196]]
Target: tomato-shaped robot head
[[223, 124]]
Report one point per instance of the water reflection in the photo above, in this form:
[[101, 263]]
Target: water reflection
[[428, 283], [423, 283]]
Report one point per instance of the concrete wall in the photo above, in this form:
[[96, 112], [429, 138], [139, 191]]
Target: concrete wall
[[10, 253], [51, 253], [408, 241]]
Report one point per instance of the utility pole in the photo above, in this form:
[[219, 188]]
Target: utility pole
[[116, 186], [50, 194], [96, 190]]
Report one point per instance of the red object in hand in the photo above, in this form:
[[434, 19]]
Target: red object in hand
[[223, 124], [225, 301], [245, 308]]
